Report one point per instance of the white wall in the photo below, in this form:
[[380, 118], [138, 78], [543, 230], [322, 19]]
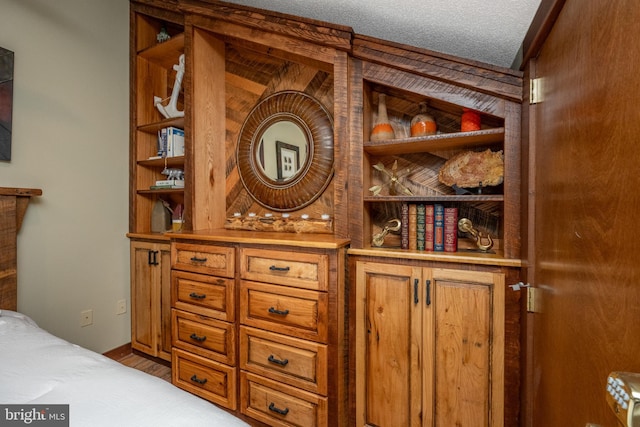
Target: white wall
[[70, 139]]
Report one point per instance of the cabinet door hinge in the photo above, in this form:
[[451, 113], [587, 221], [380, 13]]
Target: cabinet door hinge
[[535, 91], [534, 301]]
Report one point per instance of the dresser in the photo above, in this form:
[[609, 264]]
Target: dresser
[[259, 324]]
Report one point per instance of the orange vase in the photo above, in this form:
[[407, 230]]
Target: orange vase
[[382, 129], [423, 123]]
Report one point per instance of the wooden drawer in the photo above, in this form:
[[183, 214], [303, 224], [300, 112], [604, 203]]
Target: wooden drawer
[[205, 259], [291, 268], [206, 295], [207, 337], [280, 405], [288, 360], [208, 379], [298, 312]]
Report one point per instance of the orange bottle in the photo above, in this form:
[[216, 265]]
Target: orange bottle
[[382, 129], [423, 123]]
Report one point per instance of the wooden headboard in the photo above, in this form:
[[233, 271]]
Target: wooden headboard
[[13, 205]]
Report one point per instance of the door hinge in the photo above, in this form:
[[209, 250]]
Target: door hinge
[[535, 91], [534, 300]]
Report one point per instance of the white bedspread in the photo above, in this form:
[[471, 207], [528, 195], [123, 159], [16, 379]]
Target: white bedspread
[[39, 368]]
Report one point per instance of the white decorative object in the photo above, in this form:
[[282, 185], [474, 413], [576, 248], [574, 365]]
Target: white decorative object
[[171, 110]]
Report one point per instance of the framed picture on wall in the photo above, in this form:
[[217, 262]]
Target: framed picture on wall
[[288, 160], [6, 102]]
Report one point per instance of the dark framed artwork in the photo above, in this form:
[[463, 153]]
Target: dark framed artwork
[[288, 160], [6, 102]]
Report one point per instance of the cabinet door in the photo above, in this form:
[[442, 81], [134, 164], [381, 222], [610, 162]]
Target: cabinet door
[[388, 340], [151, 298], [464, 342]]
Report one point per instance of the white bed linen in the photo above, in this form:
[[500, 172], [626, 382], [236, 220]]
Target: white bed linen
[[39, 368]]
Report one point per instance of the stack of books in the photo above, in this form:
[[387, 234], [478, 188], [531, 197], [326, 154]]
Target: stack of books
[[170, 143], [429, 227], [165, 184]]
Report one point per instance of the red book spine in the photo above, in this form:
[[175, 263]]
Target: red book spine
[[451, 229], [428, 228]]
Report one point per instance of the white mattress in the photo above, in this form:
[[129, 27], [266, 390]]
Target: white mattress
[[39, 368]]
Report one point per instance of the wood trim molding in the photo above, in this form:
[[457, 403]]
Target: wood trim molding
[[540, 28]]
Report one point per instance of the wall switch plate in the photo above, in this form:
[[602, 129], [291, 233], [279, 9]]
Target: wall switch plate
[[86, 317], [121, 306]]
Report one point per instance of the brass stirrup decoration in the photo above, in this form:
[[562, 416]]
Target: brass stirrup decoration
[[484, 243], [391, 225]]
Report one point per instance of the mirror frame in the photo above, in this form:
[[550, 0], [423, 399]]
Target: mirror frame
[[314, 175]]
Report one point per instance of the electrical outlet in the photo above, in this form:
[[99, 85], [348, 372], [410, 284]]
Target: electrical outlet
[[121, 306], [86, 317]]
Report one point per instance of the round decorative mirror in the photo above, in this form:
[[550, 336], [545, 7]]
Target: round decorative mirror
[[285, 151]]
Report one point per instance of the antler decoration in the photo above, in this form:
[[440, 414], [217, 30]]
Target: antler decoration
[[394, 180]]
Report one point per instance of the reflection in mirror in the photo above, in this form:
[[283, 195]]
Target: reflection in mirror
[[282, 151]]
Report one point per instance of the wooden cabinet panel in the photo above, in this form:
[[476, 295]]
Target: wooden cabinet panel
[[429, 346], [281, 405], [389, 332], [151, 298], [205, 259], [213, 381], [299, 269], [296, 312], [206, 295], [285, 359], [209, 338]]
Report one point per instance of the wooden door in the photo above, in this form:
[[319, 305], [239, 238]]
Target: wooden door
[[585, 253], [144, 310], [388, 345], [464, 338], [151, 298]]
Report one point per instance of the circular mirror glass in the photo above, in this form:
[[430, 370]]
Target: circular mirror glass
[[282, 151], [285, 151]]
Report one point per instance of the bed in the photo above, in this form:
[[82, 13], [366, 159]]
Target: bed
[[37, 368]]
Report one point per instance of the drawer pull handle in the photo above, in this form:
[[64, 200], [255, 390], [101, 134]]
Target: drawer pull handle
[[276, 311], [273, 408], [196, 259], [274, 268], [278, 361], [197, 296], [195, 337], [195, 379]]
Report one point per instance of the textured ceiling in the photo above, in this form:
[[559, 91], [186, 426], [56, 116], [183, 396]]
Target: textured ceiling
[[490, 31]]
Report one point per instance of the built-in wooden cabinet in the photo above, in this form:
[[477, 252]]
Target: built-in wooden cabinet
[[449, 86], [259, 324], [296, 329], [151, 298], [152, 74], [204, 321], [429, 345]]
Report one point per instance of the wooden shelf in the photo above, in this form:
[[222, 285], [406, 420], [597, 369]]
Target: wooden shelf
[[444, 141], [165, 54], [153, 128], [165, 191], [436, 198], [169, 161]]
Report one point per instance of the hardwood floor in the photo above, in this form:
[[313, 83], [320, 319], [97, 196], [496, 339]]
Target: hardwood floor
[[128, 357]]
